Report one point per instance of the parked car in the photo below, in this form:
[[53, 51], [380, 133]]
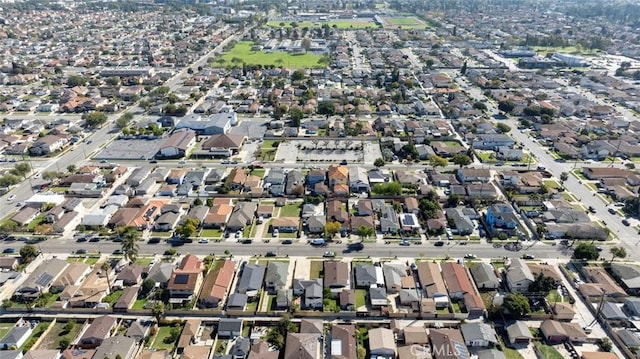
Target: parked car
[[11, 198], [9, 250], [81, 251], [626, 222], [439, 243], [528, 256], [203, 241], [405, 243], [591, 209], [470, 256], [287, 241], [329, 254], [271, 254], [611, 210], [154, 240]]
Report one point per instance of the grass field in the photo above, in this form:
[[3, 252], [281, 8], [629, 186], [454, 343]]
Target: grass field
[[290, 210], [548, 352], [139, 304], [573, 50], [57, 333], [211, 233], [361, 298], [5, 328], [340, 24], [243, 52], [159, 342], [405, 22], [316, 269]]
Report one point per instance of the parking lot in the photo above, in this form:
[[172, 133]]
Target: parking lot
[[134, 149], [323, 151]]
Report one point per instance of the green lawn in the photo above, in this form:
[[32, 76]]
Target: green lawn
[[548, 352], [251, 306], [259, 172], [288, 235], [511, 353], [144, 261], [361, 297], [316, 269], [112, 298], [565, 50], [35, 335], [269, 144], [75, 259], [92, 260], [36, 222], [242, 52], [290, 210], [551, 184], [159, 343], [139, 304], [57, 333], [406, 22], [451, 143], [331, 305], [485, 156], [340, 24], [211, 233], [267, 155]]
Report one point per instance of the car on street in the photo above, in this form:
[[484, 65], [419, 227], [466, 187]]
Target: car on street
[[94, 239], [287, 241], [528, 256], [89, 142], [405, 243], [271, 254], [203, 241], [154, 240], [439, 243], [153, 161], [591, 209], [626, 222], [329, 254], [343, 162], [611, 210], [356, 246], [470, 256], [81, 239], [11, 198], [117, 252], [9, 250], [81, 251], [246, 241]]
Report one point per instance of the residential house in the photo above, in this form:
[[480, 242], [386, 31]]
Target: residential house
[[378, 297], [41, 279], [316, 224], [432, 283], [138, 330], [451, 343], [261, 350], [462, 224], [188, 335], [223, 145], [236, 179], [336, 212], [473, 175], [240, 349], [97, 332], [47, 145], [216, 285], [382, 343], [347, 299], [315, 176], [519, 333], [368, 276], [343, 342], [218, 215], [556, 332], [336, 275], [127, 299], [117, 346], [276, 276], [241, 216], [337, 175], [628, 274], [15, 337], [294, 186], [310, 292], [303, 346], [161, 273], [185, 280], [251, 279], [388, 219], [460, 286], [229, 328], [484, 275], [177, 145], [518, 275], [130, 275], [286, 224], [479, 334], [358, 180], [598, 281], [393, 274]]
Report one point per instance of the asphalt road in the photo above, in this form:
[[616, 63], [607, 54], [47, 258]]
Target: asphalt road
[[427, 249]]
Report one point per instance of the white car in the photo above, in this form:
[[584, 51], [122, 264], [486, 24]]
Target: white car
[[11, 198], [203, 241]]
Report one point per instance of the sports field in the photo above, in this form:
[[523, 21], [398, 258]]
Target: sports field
[[339, 23], [405, 22], [242, 53]]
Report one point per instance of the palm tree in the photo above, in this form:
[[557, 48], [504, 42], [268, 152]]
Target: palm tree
[[106, 268], [130, 245]]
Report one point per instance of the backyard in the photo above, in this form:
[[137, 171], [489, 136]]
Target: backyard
[[58, 333], [361, 298], [242, 53], [290, 210], [548, 352], [35, 335], [162, 340], [316, 269]]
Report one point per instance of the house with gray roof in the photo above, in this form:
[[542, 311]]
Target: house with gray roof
[[41, 279], [276, 277], [251, 279], [117, 346], [197, 212], [628, 274], [378, 296], [229, 328], [388, 219], [484, 276], [161, 273], [240, 348], [393, 274], [463, 225], [629, 338], [519, 276], [478, 334], [491, 354], [366, 276], [275, 177], [295, 183], [316, 223], [358, 179], [519, 333], [137, 176], [241, 216], [237, 301], [612, 311], [15, 337], [11, 354], [631, 306]]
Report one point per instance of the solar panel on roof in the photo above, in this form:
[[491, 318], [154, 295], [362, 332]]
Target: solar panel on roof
[[408, 220], [181, 279], [44, 279], [461, 350]]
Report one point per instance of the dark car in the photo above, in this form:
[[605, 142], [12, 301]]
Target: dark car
[[9, 250], [271, 254], [356, 246], [439, 244], [626, 222], [591, 209], [81, 251], [153, 161], [154, 240], [246, 241], [117, 252], [611, 210], [81, 239], [405, 243], [94, 239], [287, 241], [343, 162]]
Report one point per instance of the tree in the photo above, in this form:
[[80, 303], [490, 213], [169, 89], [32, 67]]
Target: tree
[[605, 344], [76, 80], [297, 75], [387, 189], [379, 162], [95, 119], [50, 175], [106, 268], [326, 108], [463, 70], [585, 251], [365, 232], [69, 326], [502, 128], [437, 161], [276, 334], [130, 246], [332, 228], [480, 106], [461, 159], [506, 106], [188, 227], [72, 168], [22, 169], [158, 310], [542, 284], [28, 253], [429, 63], [64, 343], [517, 304], [124, 120], [147, 286], [617, 252], [564, 176]]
